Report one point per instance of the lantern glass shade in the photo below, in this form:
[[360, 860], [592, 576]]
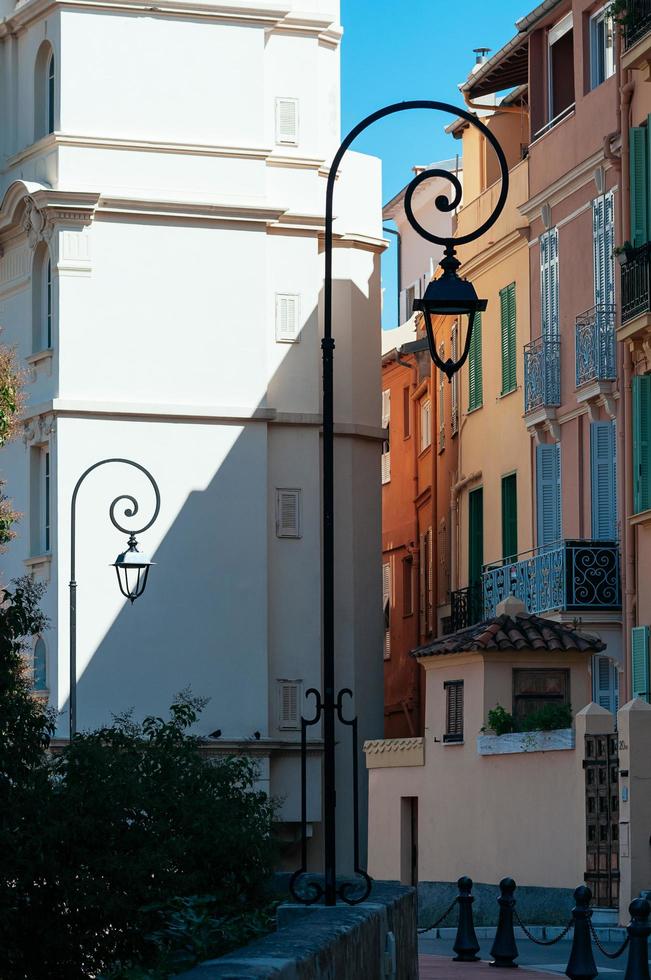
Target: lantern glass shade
[[449, 295], [132, 569]]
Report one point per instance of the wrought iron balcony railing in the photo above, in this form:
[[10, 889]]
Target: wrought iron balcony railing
[[572, 575], [466, 609], [635, 283], [637, 21], [595, 345], [542, 374]]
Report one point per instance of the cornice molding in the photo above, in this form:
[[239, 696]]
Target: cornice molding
[[564, 186], [496, 252]]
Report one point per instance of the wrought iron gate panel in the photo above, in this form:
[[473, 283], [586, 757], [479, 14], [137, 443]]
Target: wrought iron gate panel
[[601, 765]]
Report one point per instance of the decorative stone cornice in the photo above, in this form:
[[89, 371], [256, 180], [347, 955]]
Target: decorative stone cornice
[[386, 753], [39, 429]]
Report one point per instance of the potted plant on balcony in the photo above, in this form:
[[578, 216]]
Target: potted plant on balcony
[[622, 13], [623, 252]]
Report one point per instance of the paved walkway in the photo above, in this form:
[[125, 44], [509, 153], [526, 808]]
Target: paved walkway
[[444, 968]]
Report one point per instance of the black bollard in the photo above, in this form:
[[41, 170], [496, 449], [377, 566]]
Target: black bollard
[[465, 945], [637, 966], [581, 965], [504, 951]]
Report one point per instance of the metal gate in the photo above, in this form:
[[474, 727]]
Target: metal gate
[[601, 764]]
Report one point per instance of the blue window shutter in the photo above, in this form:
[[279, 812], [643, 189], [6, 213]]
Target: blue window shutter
[[639, 189], [640, 662], [604, 682], [598, 246], [641, 442], [602, 466], [548, 493]]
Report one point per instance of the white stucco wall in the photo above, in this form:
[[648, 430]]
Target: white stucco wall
[[172, 220]]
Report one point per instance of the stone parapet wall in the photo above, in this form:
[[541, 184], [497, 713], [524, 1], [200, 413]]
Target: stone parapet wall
[[373, 941]]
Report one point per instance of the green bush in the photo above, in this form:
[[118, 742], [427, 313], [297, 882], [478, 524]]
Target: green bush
[[500, 721], [127, 848], [548, 719]]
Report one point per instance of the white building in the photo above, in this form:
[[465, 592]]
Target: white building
[[162, 194]]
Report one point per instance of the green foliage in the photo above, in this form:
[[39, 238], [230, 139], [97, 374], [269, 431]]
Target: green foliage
[[107, 845], [500, 721], [548, 719], [623, 13]]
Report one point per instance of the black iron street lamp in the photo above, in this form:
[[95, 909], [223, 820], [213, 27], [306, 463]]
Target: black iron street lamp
[[448, 295], [131, 566]]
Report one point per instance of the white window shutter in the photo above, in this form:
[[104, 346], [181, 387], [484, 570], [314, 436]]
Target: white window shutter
[[289, 700], [287, 121], [386, 463], [288, 513], [386, 605], [386, 408], [287, 318]]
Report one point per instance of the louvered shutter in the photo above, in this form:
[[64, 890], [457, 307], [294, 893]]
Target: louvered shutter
[[430, 580], [422, 584], [508, 322], [598, 251], [289, 704], [386, 407], [609, 244], [544, 284], [288, 513], [386, 606], [553, 284], [640, 662], [454, 420], [638, 154], [453, 711], [548, 494], [602, 465], [287, 121], [641, 442], [475, 387], [287, 318], [604, 683]]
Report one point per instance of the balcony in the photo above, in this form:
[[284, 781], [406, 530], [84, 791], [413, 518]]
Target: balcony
[[466, 608], [635, 289], [595, 345], [542, 374], [637, 25], [574, 576]]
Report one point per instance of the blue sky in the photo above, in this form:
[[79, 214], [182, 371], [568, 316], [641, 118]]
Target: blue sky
[[412, 49]]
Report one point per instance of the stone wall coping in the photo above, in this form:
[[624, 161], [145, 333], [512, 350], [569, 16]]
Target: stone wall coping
[[562, 738], [392, 744]]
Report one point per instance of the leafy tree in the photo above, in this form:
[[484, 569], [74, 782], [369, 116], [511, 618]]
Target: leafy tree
[[11, 399]]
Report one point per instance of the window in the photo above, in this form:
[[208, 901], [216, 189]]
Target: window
[[475, 535], [287, 121], [475, 385], [605, 683], [602, 47], [425, 423], [289, 699], [407, 586], [386, 606], [39, 666], [287, 318], [640, 663], [441, 402], [641, 442], [509, 517], [561, 69], [386, 448], [288, 513], [406, 412], [639, 139], [548, 494], [453, 711], [507, 314], [549, 284], [44, 91], [40, 500], [426, 570], [410, 296], [42, 300], [603, 238], [603, 449], [454, 414], [534, 689]]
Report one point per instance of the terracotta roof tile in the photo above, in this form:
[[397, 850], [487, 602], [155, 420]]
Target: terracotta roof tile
[[523, 631]]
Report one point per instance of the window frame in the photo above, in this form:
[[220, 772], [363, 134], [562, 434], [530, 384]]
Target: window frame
[[407, 586], [602, 15], [563, 698], [453, 737], [425, 431]]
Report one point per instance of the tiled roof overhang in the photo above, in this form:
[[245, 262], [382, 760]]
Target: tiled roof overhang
[[520, 632]]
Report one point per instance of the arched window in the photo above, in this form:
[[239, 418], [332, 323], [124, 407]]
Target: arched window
[[40, 665], [44, 91], [42, 299]]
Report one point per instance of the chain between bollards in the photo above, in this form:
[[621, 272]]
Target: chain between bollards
[[440, 918]]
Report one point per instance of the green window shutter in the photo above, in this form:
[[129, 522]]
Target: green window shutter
[[640, 662], [475, 387], [639, 186], [475, 535], [507, 313], [509, 517], [641, 442]]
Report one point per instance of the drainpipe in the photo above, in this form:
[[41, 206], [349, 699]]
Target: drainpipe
[[455, 490], [624, 431], [392, 231]]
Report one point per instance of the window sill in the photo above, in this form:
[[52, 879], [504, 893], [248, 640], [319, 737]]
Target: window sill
[[475, 409], [40, 360], [453, 741], [39, 566], [511, 391], [523, 742], [425, 450]]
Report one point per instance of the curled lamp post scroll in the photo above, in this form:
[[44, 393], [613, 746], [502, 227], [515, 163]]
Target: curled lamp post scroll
[[449, 294], [132, 567]]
